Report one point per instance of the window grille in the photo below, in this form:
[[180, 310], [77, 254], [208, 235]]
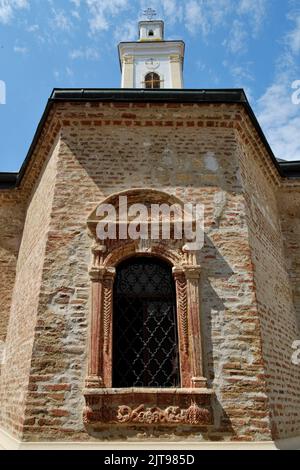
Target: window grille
[[152, 80], [145, 342]]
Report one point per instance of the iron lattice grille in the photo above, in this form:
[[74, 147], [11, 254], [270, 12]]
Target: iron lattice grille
[[145, 343]]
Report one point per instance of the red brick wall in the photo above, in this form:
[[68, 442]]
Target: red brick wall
[[12, 220], [289, 204], [277, 316], [26, 296]]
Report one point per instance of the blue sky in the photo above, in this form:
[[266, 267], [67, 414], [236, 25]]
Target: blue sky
[[254, 44]]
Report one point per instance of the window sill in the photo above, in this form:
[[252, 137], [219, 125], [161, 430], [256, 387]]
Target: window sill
[[148, 406]]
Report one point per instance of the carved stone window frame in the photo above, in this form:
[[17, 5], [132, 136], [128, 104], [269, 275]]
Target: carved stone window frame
[[189, 404]]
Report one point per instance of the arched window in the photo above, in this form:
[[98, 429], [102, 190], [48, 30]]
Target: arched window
[[145, 340], [152, 80], [151, 33]]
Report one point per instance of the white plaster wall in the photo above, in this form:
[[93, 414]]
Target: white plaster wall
[[164, 71]]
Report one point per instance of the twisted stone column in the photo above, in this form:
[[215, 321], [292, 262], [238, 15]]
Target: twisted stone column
[[100, 327], [193, 274]]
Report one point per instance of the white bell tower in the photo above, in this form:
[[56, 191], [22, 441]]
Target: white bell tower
[[151, 62]]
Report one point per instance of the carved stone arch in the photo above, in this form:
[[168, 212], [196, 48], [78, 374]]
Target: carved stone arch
[[138, 195], [106, 255], [129, 250]]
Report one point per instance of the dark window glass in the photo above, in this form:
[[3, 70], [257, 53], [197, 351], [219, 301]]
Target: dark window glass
[[152, 80], [145, 351]]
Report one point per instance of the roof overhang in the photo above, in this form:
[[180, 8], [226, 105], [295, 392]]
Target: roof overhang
[[8, 180], [229, 96]]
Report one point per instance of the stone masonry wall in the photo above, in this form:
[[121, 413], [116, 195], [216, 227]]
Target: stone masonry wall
[[12, 221], [278, 324], [289, 204], [14, 379], [190, 151]]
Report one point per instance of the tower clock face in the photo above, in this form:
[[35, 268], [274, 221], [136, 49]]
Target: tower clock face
[[152, 64]]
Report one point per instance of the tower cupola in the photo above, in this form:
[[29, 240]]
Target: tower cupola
[[152, 62], [151, 30]]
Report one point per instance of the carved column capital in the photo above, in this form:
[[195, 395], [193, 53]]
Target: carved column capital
[[128, 59], [178, 272], [99, 248], [99, 273], [175, 58], [192, 272], [93, 381], [109, 274]]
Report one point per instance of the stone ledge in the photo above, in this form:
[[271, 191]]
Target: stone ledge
[[148, 407], [149, 391]]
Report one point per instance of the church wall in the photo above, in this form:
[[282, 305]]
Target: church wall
[[289, 205], [278, 325], [22, 323], [12, 219], [189, 151]]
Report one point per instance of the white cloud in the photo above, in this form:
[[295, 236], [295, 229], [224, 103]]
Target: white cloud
[[101, 10], [237, 39], [61, 20], [195, 19], [278, 115], [242, 72], [172, 10], [33, 28], [60, 75], [293, 38], [75, 10], [69, 72], [243, 18], [280, 119], [21, 50], [205, 15], [76, 3], [126, 31], [88, 53], [8, 8], [255, 10]]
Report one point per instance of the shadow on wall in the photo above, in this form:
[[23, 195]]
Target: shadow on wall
[[212, 319]]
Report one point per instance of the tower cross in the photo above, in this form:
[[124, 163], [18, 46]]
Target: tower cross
[[150, 13]]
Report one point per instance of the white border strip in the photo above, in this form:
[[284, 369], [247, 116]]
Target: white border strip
[[8, 442]]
